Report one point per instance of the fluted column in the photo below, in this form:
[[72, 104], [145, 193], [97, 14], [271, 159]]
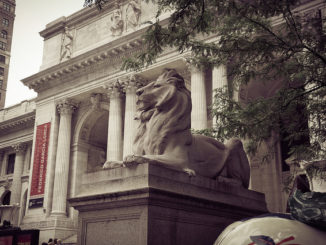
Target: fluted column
[[16, 187], [27, 159], [65, 109], [130, 110], [114, 145], [198, 97], [219, 81]]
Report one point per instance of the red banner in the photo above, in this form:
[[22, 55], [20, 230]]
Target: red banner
[[24, 239], [40, 159], [6, 240]]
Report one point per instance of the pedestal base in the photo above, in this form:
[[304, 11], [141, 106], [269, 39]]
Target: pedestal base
[[149, 204]]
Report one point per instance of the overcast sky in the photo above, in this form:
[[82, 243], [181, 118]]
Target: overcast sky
[[27, 44]]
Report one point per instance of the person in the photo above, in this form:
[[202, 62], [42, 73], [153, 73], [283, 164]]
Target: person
[[50, 242], [59, 242], [44, 243], [55, 241]]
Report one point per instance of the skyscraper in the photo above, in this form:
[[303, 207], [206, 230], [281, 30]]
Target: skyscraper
[[7, 17]]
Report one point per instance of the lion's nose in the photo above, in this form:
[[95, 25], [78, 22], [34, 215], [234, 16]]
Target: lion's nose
[[139, 92]]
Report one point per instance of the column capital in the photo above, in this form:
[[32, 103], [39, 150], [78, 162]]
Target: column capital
[[19, 147], [133, 82], [66, 106], [192, 67], [114, 89]]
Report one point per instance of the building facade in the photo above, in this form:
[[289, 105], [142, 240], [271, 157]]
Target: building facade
[[52, 148], [7, 16]]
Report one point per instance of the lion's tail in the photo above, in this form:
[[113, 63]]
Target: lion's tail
[[237, 163]]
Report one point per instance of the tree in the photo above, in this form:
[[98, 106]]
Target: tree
[[260, 41]]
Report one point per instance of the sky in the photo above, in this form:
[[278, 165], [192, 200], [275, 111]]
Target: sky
[[27, 44]]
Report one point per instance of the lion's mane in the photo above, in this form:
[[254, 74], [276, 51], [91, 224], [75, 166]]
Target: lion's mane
[[157, 124]]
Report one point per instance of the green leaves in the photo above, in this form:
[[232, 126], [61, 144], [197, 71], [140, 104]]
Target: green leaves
[[270, 43]]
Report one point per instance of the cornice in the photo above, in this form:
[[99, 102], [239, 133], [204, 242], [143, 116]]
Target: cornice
[[77, 18], [17, 122], [53, 28], [26, 138], [110, 52]]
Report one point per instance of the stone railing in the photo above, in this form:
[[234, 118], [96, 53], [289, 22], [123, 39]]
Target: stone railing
[[20, 109]]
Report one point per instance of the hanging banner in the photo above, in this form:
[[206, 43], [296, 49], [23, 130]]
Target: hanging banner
[[40, 164]]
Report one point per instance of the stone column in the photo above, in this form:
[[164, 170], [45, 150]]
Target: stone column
[[27, 160], [114, 144], [198, 97], [219, 81], [2, 162], [18, 171], [130, 110], [65, 109]]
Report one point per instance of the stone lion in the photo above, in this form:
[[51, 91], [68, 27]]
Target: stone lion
[[164, 137]]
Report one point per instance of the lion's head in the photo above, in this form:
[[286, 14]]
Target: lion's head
[[164, 107]]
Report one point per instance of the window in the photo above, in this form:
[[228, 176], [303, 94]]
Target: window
[[2, 71], [2, 45], [1, 83], [2, 59], [4, 34], [11, 164], [5, 22], [6, 7], [6, 198]]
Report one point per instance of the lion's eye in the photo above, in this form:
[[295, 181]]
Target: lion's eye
[[157, 85]]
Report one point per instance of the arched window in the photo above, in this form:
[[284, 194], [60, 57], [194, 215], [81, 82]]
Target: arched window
[[6, 198], [4, 34]]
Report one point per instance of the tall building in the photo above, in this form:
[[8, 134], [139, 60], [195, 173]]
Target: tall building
[[7, 18]]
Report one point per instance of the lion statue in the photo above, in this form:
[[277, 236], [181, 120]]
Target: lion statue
[[164, 137]]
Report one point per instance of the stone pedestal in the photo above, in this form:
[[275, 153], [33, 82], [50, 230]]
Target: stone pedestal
[[150, 204]]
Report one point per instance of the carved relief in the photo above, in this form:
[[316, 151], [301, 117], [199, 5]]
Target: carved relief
[[117, 22], [20, 147], [95, 100], [133, 12], [66, 46]]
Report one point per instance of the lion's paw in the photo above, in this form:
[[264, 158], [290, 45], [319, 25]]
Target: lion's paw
[[190, 172], [113, 164], [133, 160]]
